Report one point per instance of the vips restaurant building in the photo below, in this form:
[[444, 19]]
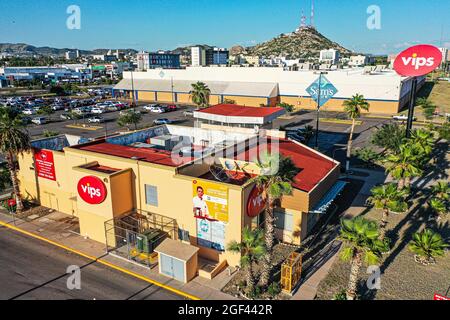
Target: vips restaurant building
[[191, 185]]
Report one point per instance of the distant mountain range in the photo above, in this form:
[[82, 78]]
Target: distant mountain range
[[26, 49], [304, 43]]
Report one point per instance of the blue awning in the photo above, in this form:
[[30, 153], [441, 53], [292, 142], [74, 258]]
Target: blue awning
[[329, 197]]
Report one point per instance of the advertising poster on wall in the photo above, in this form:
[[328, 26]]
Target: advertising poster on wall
[[211, 234], [210, 201], [45, 165]]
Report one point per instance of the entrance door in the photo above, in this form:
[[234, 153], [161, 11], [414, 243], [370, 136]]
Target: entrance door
[[172, 267]]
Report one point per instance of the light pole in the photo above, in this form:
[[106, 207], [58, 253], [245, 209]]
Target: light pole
[[412, 102], [132, 90]]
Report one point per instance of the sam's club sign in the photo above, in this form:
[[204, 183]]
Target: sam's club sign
[[327, 90]]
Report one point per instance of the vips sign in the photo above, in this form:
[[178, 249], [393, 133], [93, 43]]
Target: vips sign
[[210, 201], [440, 297], [92, 190], [45, 165], [256, 202], [418, 61]]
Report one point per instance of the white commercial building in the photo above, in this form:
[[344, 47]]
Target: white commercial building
[[330, 56], [198, 56]]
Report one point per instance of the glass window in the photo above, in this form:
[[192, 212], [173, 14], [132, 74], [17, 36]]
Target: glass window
[[284, 220], [151, 195], [183, 235]]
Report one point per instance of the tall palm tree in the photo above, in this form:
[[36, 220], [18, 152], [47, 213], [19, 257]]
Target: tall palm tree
[[404, 165], [200, 94], [276, 178], [389, 199], [14, 140], [361, 244], [427, 245], [251, 249], [353, 109]]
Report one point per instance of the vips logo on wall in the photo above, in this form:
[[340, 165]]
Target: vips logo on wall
[[438, 296], [92, 190], [418, 61], [210, 201], [45, 165], [256, 202]]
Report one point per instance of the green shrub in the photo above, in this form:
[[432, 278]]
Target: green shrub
[[274, 289], [341, 295]]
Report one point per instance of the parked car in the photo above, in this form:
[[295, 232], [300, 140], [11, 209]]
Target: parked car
[[150, 107], [96, 119], [188, 113], [56, 107], [26, 120], [66, 116], [29, 111], [39, 120], [162, 121], [123, 112], [171, 107], [402, 117], [97, 110], [157, 110]]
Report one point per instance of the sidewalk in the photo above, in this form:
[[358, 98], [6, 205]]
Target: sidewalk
[[325, 259], [58, 229]]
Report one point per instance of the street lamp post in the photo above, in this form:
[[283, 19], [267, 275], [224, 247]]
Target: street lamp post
[[132, 90]]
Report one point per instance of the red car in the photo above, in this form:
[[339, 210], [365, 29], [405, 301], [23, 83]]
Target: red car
[[172, 107]]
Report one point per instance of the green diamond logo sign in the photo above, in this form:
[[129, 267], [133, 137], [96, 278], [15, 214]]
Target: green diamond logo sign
[[326, 91]]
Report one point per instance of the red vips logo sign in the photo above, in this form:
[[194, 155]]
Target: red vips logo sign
[[256, 202], [418, 60], [92, 190], [45, 165], [440, 297]]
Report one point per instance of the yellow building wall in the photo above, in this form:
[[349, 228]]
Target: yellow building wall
[[184, 98], [247, 101], [146, 96], [165, 96], [381, 107], [214, 99]]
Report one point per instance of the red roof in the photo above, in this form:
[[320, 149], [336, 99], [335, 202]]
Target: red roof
[[152, 155], [313, 166], [233, 110]]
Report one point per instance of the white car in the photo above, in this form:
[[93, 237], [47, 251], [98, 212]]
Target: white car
[[402, 117], [97, 110], [150, 107], [29, 111], [39, 120], [96, 120], [157, 110]]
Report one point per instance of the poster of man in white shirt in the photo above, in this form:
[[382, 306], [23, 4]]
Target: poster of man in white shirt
[[200, 206]]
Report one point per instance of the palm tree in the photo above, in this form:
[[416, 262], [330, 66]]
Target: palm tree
[[439, 206], [427, 245], [251, 249], [353, 109], [361, 244], [389, 199], [276, 178], [200, 94], [441, 190], [423, 140], [13, 141], [404, 165]]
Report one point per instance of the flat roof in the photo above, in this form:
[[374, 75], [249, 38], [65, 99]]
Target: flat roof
[[177, 249], [237, 114], [152, 155]]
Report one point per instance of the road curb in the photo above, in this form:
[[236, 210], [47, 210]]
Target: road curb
[[101, 261]]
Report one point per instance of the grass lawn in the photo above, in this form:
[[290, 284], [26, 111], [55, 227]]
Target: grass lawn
[[439, 94]]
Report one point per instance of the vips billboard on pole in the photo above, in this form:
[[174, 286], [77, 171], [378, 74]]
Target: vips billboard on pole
[[92, 190], [210, 201], [418, 61], [45, 165]]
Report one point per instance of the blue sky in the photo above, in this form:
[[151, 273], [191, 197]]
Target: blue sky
[[166, 24]]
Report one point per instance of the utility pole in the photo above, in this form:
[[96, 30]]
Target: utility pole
[[412, 102], [318, 108], [132, 90]]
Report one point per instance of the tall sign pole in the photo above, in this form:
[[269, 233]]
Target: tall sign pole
[[318, 113], [414, 62], [321, 91]]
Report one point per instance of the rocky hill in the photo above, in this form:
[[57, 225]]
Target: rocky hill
[[304, 43]]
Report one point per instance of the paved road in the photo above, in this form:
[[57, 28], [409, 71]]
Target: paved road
[[31, 269]]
